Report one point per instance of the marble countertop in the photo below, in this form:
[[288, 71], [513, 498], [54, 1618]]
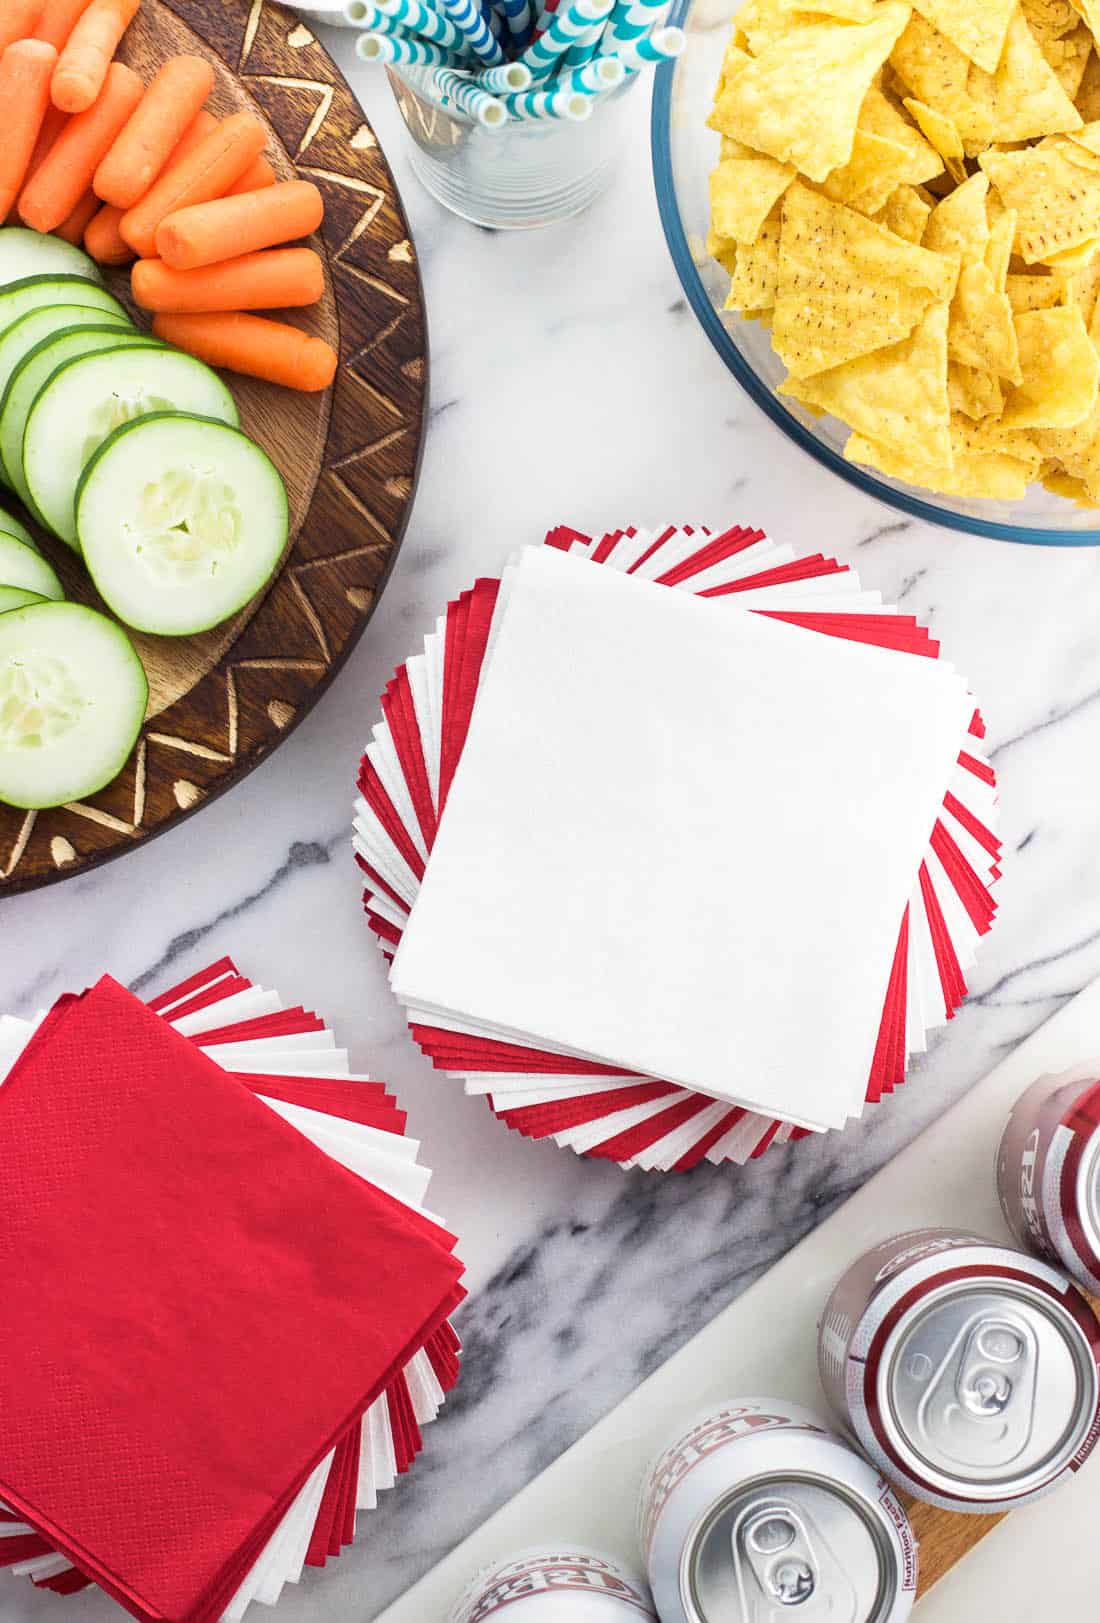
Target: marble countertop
[[571, 383]]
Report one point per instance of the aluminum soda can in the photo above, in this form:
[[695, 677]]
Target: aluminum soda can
[[759, 1513], [1048, 1172], [966, 1370], [556, 1583]]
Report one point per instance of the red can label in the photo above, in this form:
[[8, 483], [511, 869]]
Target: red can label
[[556, 1573], [1038, 1165]]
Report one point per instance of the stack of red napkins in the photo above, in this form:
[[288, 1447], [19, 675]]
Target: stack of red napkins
[[219, 1337]]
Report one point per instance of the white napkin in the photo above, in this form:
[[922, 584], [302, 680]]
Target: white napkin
[[681, 841]]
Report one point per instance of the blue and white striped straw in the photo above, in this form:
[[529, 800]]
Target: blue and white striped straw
[[397, 48], [511, 78], [413, 16], [461, 89], [519, 20], [660, 46], [539, 104], [567, 26], [585, 48], [480, 40], [594, 78], [631, 19]]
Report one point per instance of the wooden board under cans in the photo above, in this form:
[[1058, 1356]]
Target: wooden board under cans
[[764, 1344], [350, 456]]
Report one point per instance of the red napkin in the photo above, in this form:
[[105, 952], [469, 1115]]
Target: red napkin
[[176, 1258]]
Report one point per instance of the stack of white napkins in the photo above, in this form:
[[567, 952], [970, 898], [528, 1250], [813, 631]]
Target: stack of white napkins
[[674, 873]]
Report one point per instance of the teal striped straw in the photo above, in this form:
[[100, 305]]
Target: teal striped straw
[[461, 89], [660, 46], [543, 55], [396, 48], [417, 18], [539, 104], [511, 78], [631, 19], [480, 40], [594, 78], [585, 48]]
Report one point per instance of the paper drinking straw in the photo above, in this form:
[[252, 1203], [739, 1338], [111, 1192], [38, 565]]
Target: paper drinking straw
[[603, 73], [584, 49], [566, 26], [466, 16], [461, 89], [631, 19], [396, 48], [534, 105], [417, 18], [518, 19], [659, 46], [511, 78]]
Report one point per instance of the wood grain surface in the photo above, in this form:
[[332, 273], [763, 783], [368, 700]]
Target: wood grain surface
[[350, 456]]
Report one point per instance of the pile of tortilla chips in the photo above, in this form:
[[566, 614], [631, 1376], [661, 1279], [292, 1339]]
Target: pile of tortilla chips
[[908, 196]]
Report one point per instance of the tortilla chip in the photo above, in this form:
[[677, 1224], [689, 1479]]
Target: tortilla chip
[[1083, 290], [756, 270], [762, 22], [977, 27], [982, 332], [1074, 490], [1076, 450], [973, 473], [743, 192], [1073, 259], [800, 100], [848, 11], [847, 285], [723, 249], [975, 394], [1087, 99], [958, 225], [943, 134], [1035, 292], [1060, 367], [998, 249], [876, 168], [992, 436], [1057, 204], [897, 395], [1068, 59], [905, 213]]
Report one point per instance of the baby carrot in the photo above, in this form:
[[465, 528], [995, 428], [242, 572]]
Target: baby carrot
[[255, 178], [273, 279], [66, 171], [18, 20], [103, 239], [58, 19], [87, 53], [250, 344], [229, 226], [145, 145], [220, 158], [25, 70], [72, 228]]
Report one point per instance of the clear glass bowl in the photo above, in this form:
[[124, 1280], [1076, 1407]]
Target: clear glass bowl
[[684, 153]]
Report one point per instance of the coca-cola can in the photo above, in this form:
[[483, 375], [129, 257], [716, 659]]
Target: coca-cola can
[[966, 1370], [1048, 1172], [556, 1583], [758, 1513]]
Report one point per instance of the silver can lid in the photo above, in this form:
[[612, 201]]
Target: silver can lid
[[788, 1549], [991, 1387]]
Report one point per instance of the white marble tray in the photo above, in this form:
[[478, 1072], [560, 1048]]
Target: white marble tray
[[765, 1342]]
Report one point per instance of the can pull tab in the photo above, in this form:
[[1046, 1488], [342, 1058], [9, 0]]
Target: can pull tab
[[979, 1402], [784, 1573]]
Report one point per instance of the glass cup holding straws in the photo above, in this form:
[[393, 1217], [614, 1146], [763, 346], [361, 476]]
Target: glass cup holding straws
[[516, 108]]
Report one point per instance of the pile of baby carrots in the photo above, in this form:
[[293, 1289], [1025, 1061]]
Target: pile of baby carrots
[[146, 174]]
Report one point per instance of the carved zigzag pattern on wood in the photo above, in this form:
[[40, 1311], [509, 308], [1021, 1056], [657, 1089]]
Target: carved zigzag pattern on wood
[[178, 756]]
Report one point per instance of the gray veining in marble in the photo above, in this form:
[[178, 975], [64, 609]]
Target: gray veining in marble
[[571, 383]]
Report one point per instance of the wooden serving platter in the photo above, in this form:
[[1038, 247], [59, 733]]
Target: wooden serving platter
[[220, 702]]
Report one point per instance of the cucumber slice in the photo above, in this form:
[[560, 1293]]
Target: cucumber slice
[[33, 292], [28, 253], [72, 700], [33, 372], [13, 526], [17, 341], [20, 565], [14, 597], [182, 520], [86, 399]]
